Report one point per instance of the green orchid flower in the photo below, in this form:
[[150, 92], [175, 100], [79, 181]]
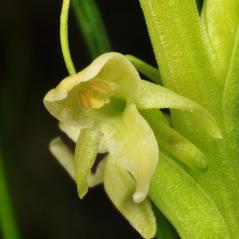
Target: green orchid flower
[[104, 108]]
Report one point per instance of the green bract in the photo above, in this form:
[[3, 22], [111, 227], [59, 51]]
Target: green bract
[[98, 108]]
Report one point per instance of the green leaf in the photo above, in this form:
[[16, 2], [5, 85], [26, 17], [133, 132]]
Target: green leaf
[[165, 230], [231, 115], [185, 204], [86, 150], [231, 97], [120, 186], [189, 66], [182, 50], [175, 144], [221, 18], [92, 26], [154, 96], [144, 68], [8, 225]]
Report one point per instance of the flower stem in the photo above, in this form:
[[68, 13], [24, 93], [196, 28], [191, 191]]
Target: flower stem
[[146, 69], [64, 37], [7, 221], [92, 26]]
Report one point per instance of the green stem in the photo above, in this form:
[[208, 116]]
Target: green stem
[[92, 26], [8, 225], [64, 37], [146, 69]]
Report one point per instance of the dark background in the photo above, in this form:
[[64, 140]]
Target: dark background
[[44, 197]]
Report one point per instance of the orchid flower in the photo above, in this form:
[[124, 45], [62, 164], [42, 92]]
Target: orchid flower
[[100, 109]]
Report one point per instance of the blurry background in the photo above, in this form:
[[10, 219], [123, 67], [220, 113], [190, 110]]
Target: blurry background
[[44, 198]]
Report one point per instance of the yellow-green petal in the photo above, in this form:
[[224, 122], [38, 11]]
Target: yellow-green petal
[[155, 96], [71, 131], [120, 186], [63, 155], [131, 142], [85, 154]]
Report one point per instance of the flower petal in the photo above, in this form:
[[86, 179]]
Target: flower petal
[[119, 186], [132, 144], [63, 155], [85, 154], [155, 96], [72, 132], [66, 101]]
